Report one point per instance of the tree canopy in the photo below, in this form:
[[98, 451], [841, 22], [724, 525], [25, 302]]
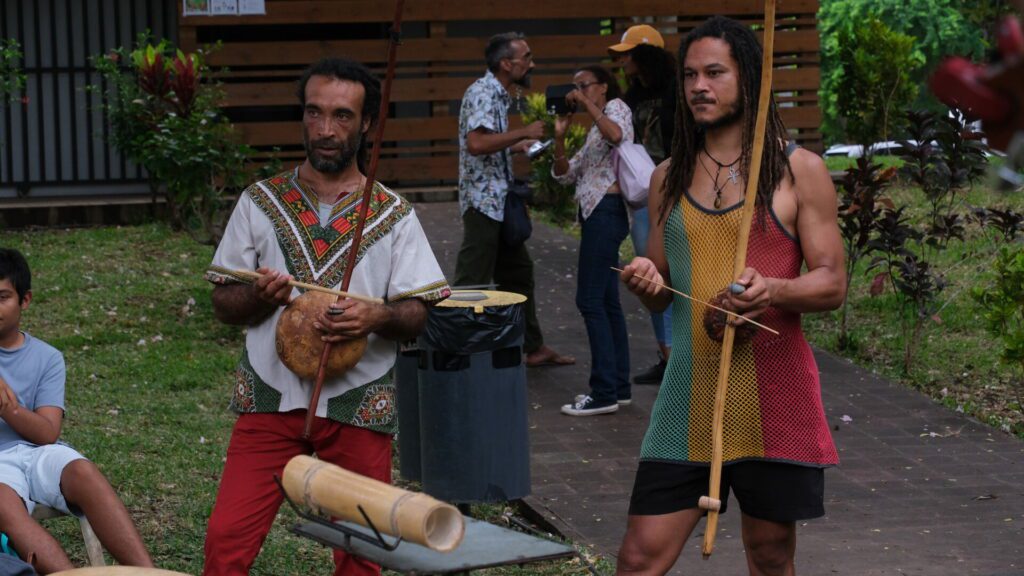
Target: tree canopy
[[939, 28]]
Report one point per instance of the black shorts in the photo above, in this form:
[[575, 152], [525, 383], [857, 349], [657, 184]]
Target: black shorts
[[773, 491]]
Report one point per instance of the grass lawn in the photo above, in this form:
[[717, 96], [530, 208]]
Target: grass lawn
[[149, 378], [840, 163], [958, 361]]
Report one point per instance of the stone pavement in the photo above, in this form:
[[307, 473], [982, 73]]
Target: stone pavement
[[920, 489]]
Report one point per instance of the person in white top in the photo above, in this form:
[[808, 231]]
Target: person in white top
[[605, 224]]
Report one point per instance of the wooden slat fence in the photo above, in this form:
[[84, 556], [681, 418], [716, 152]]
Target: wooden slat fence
[[442, 54]]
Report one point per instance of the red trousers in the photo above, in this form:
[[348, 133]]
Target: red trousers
[[248, 497]]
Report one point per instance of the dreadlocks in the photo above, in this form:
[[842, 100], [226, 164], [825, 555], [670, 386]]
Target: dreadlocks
[[689, 137]]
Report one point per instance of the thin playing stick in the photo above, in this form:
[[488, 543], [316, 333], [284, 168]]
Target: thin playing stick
[[357, 234], [250, 276], [708, 304]]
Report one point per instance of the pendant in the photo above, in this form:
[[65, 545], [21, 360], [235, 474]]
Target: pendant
[[718, 200], [734, 175]]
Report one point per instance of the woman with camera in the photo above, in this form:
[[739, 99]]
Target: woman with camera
[[605, 225]]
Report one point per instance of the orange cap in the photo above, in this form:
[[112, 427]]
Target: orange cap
[[637, 35]]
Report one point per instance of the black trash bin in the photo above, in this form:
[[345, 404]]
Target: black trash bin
[[407, 395], [474, 444]]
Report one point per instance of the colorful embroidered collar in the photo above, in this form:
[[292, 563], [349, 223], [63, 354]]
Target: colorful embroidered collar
[[314, 252]]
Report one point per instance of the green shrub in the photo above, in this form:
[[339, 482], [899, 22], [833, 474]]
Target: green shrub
[[1002, 307], [873, 84], [547, 193], [939, 27], [166, 118], [11, 78]]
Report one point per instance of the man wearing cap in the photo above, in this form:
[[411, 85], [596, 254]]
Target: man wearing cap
[[651, 96], [486, 144]]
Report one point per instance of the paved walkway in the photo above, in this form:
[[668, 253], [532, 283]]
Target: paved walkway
[[920, 489]]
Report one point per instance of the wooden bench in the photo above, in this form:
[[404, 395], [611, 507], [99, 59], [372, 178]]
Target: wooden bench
[[93, 548]]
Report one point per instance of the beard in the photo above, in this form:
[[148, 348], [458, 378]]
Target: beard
[[523, 80], [347, 150], [731, 116]]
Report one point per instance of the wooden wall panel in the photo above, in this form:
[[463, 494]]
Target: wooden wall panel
[[283, 92], [433, 50], [306, 11], [439, 61]]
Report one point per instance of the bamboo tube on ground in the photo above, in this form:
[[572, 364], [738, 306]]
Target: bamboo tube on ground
[[413, 516]]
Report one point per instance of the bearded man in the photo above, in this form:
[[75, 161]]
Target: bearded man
[[776, 439], [300, 224], [486, 145]]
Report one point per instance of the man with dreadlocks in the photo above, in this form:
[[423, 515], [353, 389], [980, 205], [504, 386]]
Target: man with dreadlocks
[[776, 438]]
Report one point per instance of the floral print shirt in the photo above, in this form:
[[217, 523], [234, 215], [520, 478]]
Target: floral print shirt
[[484, 179], [591, 168]]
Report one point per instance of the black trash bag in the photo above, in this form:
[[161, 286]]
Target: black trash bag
[[463, 331]]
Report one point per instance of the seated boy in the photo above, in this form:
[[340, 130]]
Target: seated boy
[[34, 468]]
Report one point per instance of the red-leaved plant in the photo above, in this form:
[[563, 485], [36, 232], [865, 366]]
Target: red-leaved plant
[[185, 81], [166, 118]]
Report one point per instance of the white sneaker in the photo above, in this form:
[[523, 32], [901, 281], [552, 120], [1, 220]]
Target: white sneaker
[[585, 407], [622, 401]]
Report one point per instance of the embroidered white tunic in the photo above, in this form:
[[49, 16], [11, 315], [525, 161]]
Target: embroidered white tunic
[[276, 224]]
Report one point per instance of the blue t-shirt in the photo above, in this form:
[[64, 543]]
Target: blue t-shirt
[[35, 372]]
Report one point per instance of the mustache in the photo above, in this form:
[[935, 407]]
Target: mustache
[[326, 143], [701, 100]]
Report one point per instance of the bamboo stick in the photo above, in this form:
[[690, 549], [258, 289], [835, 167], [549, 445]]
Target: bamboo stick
[[250, 276], [364, 206]]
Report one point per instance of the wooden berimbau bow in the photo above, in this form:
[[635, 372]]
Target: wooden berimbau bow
[[711, 502], [371, 174]]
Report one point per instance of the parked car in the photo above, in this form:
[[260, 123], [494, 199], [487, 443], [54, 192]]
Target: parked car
[[888, 148], [844, 151]]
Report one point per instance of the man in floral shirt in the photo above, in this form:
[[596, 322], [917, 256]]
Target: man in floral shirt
[[486, 145]]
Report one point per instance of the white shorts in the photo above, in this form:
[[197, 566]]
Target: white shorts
[[34, 473]]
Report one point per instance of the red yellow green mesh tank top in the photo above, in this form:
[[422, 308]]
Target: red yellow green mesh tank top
[[773, 408]]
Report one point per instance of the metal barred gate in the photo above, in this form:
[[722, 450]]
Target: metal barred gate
[[53, 135]]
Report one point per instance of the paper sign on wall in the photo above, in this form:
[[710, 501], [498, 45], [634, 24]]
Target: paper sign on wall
[[197, 8], [224, 7], [252, 7]]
